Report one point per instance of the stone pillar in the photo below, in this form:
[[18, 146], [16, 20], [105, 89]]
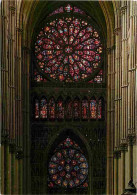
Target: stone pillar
[[26, 122], [110, 121], [124, 146], [117, 155]]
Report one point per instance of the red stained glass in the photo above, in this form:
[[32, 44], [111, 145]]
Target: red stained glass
[[51, 108], [68, 49], [68, 8], [68, 109], [39, 78], [100, 109], [85, 109], [43, 108], [76, 109], [68, 167], [93, 109], [36, 109], [60, 109]]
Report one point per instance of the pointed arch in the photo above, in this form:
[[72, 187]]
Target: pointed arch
[[60, 109], [43, 108], [93, 108], [51, 110], [68, 108], [76, 109], [85, 108]]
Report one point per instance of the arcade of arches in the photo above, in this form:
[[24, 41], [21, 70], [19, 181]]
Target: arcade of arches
[[68, 96]]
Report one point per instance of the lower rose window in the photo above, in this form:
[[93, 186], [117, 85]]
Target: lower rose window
[[68, 166]]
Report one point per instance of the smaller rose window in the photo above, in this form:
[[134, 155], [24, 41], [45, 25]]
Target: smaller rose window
[[68, 167]]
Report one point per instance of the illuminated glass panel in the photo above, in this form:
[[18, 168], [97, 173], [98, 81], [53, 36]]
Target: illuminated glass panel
[[93, 109], [68, 8], [68, 49], [51, 108], [68, 109], [43, 108], [76, 109], [100, 109], [60, 109], [98, 78], [68, 167], [36, 108], [85, 109], [38, 78]]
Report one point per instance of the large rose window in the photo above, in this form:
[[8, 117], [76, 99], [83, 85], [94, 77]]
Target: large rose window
[[68, 166], [68, 49]]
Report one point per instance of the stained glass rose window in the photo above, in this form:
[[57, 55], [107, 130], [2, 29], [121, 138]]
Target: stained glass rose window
[[68, 48], [68, 167]]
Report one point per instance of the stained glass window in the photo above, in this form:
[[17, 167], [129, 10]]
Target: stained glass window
[[85, 109], [68, 9], [68, 49], [68, 109], [60, 109], [76, 109], [51, 108], [100, 106], [93, 109], [38, 77], [68, 167], [98, 78], [36, 108], [43, 108]]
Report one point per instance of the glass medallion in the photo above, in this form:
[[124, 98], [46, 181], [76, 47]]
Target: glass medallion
[[68, 167], [68, 49]]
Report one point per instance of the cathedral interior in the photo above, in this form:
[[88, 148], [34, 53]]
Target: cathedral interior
[[68, 97]]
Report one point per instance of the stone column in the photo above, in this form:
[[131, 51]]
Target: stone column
[[110, 121], [124, 147], [117, 155], [26, 122]]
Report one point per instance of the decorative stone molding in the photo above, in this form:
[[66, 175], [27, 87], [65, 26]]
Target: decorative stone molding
[[131, 138], [124, 145], [117, 30], [108, 50], [12, 9], [5, 139], [19, 153], [123, 9], [117, 153], [20, 30]]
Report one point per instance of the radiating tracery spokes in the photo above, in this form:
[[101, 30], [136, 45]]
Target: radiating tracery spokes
[[67, 49]]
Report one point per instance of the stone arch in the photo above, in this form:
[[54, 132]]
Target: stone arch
[[76, 136]]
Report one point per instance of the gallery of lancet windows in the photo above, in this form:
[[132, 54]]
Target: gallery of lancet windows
[[69, 109]]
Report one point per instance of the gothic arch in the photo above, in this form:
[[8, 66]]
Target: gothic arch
[[77, 137]]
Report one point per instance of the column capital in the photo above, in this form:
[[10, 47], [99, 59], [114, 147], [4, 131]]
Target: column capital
[[20, 30], [123, 9], [131, 138], [117, 153], [117, 30], [19, 153], [12, 9], [109, 49], [123, 145], [5, 139]]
